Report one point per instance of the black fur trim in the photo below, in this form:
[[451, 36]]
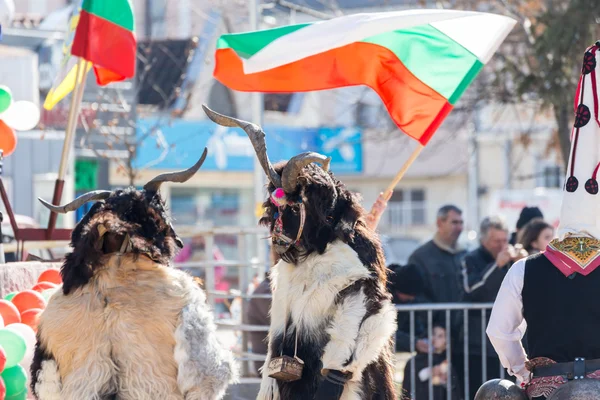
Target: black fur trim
[[40, 355]]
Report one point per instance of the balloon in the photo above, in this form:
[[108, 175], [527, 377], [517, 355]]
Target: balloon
[[46, 294], [28, 299], [8, 139], [40, 287], [5, 98], [15, 380], [18, 396], [2, 389], [30, 341], [2, 359], [10, 296], [51, 275], [31, 317], [22, 115], [10, 313], [14, 345]]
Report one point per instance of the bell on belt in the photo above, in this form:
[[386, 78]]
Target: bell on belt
[[286, 368]]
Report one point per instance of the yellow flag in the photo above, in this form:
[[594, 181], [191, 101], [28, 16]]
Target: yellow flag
[[64, 83]]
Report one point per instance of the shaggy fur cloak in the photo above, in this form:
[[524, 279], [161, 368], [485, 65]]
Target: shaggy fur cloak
[[344, 320]]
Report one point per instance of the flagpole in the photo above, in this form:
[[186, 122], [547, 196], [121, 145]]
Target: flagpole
[[403, 170], [77, 96]]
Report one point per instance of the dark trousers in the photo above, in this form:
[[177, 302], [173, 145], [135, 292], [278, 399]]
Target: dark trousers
[[475, 372]]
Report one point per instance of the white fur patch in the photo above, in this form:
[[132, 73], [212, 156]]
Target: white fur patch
[[308, 289], [343, 331], [48, 386], [352, 391], [374, 334], [205, 367], [268, 389]]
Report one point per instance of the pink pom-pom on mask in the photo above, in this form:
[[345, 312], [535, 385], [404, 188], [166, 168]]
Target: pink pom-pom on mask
[[278, 197]]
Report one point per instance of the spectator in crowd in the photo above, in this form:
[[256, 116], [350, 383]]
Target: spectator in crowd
[[439, 260], [438, 373], [483, 271], [406, 285], [377, 210], [258, 314], [536, 235], [527, 214]]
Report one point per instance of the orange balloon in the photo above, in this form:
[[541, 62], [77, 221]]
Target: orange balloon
[[40, 287], [8, 139], [28, 299], [50, 275], [10, 313], [31, 318]]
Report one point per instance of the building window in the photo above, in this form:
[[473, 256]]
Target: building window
[[550, 176], [290, 103], [158, 9], [407, 207]]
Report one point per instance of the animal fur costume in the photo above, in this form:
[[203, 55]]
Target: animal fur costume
[[126, 325], [330, 305]]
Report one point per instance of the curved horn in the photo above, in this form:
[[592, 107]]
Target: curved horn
[[295, 165], [179, 176], [78, 202], [257, 137]]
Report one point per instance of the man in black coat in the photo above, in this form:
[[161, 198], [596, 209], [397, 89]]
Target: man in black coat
[[483, 272]]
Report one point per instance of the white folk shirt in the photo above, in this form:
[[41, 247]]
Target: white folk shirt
[[507, 325]]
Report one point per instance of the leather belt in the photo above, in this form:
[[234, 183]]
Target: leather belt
[[577, 369]]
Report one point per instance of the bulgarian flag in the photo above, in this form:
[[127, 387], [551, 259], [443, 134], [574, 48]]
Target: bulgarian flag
[[420, 62], [101, 32], [105, 36]]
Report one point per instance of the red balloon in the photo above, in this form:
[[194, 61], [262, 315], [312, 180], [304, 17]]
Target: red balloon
[[28, 299], [10, 313], [2, 389], [31, 318], [8, 139], [2, 360], [50, 275], [40, 287]]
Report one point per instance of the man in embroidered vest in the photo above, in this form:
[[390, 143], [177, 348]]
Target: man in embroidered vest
[[555, 295]]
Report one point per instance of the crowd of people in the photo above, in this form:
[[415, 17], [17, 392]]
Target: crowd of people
[[441, 272]]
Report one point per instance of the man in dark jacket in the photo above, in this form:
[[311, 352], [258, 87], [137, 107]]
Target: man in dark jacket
[[439, 260], [483, 272]]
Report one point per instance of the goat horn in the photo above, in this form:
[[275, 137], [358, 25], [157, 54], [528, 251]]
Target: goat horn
[[296, 164], [179, 176], [257, 137], [78, 202]]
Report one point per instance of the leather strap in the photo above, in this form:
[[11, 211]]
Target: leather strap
[[577, 369]]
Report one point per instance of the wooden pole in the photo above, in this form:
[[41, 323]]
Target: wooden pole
[[403, 170], [80, 74]]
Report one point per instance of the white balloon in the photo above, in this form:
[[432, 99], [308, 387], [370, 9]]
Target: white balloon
[[21, 115], [27, 333]]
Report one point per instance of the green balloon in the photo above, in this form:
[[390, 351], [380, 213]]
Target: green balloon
[[10, 296], [5, 98], [19, 396], [14, 345], [15, 380]]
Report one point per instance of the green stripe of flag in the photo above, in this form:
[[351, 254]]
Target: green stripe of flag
[[249, 43], [433, 58], [119, 12]]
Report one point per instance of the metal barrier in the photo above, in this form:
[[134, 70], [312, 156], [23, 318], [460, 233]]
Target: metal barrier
[[449, 313]]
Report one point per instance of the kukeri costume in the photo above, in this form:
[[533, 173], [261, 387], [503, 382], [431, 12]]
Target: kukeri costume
[[555, 295], [332, 319], [126, 325]]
